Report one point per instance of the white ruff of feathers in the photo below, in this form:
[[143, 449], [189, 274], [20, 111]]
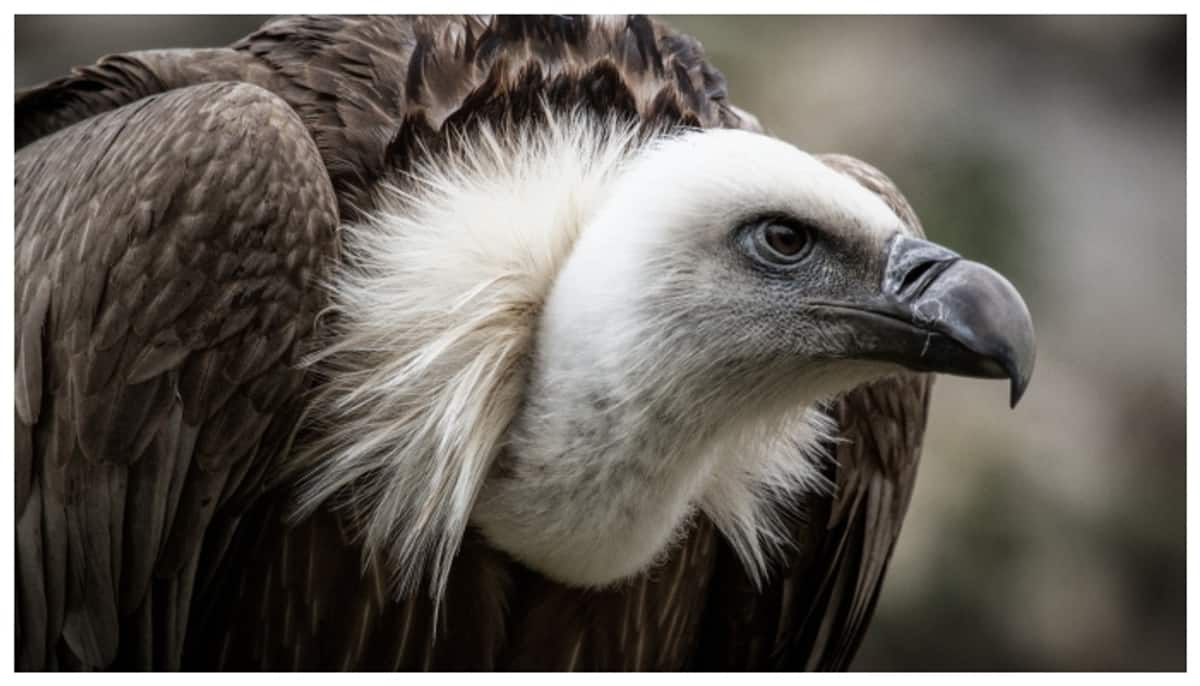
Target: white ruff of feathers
[[434, 319]]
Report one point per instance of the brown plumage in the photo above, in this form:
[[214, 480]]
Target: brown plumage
[[174, 213]]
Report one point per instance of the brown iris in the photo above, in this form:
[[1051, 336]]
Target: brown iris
[[785, 240], [782, 242]]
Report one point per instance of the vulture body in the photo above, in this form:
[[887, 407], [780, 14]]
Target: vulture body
[[216, 467]]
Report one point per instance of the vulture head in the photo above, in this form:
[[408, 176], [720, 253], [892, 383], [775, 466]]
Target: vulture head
[[576, 339]]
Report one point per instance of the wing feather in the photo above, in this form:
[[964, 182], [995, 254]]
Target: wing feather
[[139, 402], [815, 610]]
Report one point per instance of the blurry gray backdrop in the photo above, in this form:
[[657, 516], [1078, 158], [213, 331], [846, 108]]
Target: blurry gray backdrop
[[1053, 536]]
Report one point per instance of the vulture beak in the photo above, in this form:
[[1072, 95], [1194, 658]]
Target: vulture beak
[[941, 313]]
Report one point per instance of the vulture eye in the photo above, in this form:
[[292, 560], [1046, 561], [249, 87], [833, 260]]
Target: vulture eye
[[779, 242]]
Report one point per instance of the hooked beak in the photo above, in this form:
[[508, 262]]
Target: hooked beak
[[937, 312]]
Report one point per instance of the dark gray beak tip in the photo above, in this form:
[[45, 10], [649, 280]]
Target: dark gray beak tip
[[986, 314], [1018, 385], [1013, 333], [1019, 365]]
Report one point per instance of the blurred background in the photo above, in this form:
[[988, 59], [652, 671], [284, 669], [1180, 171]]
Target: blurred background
[[1051, 537]]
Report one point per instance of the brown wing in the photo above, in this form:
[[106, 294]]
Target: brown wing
[[301, 599], [882, 426], [813, 613], [166, 253]]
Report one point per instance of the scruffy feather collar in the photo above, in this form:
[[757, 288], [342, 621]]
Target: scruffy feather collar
[[434, 311]]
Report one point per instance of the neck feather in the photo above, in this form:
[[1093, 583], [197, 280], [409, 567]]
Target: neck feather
[[612, 453]]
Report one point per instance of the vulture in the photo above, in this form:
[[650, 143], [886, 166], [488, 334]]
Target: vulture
[[460, 343]]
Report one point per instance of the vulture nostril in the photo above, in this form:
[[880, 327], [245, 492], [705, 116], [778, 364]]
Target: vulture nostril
[[916, 273], [912, 265]]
